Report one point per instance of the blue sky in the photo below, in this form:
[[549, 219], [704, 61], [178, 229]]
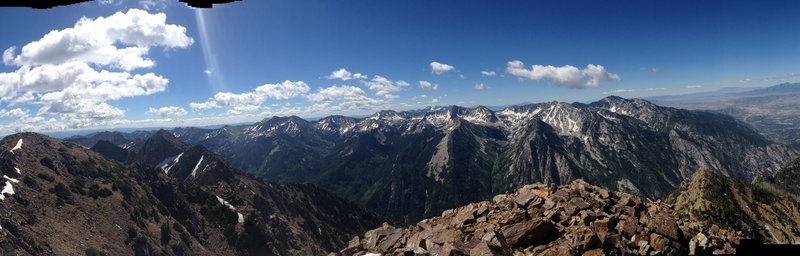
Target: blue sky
[[245, 61]]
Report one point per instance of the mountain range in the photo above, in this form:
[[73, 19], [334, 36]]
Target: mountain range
[[60, 198], [411, 165]]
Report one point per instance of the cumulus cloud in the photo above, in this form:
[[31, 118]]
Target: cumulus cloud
[[72, 74], [336, 93], [342, 98], [17, 112], [566, 75], [344, 75], [440, 68], [488, 73], [479, 87], [248, 101], [694, 86], [75, 89], [167, 111], [121, 40], [384, 87], [425, 85]]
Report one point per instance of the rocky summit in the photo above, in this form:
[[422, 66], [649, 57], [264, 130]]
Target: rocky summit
[[573, 219]]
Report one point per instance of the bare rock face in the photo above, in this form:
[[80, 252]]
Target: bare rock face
[[573, 219]]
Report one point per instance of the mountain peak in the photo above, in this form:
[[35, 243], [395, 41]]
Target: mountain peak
[[160, 145]]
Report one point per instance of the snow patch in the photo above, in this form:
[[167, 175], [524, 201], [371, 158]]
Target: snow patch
[[225, 203], [372, 254], [239, 217], [18, 146], [194, 171], [18, 171], [8, 189], [169, 162], [10, 179]]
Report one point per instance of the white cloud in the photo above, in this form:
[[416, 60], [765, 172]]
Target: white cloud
[[109, 2], [76, 88], [17, 112], [440, 68], [479, 87], [251, 100], [336, 93], [8, 55], [208, 72], [167, 111], [620, 91], [694, 86], [344, 75], [72, 74], [488, 73], [385, 87], [566, 75], [347, 97], [425, 85], [97, 41], [746, 80], [157, 5]]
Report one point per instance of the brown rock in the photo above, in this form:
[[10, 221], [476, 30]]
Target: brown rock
[[666, 226], [464, 216], [453, 249], [527, 233], [601, 226], [548, 204], [391, 240], [524, 197], [444, 236], [484, 249], [579, 203], [541, 192], [630, 226], [603, 193], [595, 252], [590, 241], [495, 239], [658, 242], [560, 196]]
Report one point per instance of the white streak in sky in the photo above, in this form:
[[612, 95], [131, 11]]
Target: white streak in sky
[[212, 67]]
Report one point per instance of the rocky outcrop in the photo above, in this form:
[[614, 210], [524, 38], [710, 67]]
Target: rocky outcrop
[[574, 219], [711, 201]]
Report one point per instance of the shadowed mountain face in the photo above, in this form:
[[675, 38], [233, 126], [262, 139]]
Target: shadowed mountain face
[[411, 165], [62, 199]]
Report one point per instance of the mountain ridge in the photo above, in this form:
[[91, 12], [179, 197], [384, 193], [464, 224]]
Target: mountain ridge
[[431, 157], [63, 199]]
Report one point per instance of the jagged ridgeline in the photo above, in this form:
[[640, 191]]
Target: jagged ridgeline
[[414, 164], [60, 198]]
